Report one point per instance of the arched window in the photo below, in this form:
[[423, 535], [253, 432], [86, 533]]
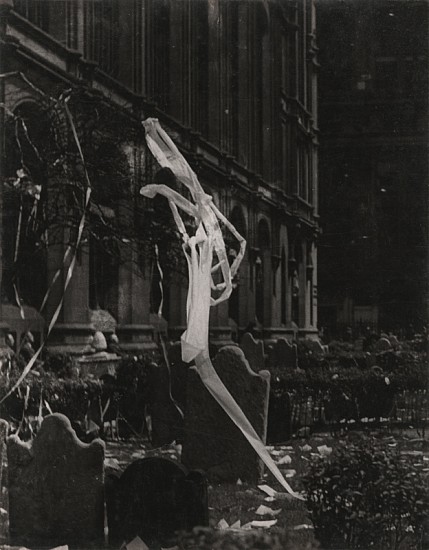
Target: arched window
[[283, 273], [233, 247]]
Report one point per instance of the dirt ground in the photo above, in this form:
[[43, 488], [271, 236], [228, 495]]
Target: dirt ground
[[233, 507]]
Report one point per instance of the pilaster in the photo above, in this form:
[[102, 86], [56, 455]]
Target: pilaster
[[73, 331], [134, 329]]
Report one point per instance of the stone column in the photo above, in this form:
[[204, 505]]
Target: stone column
[[134, 329], [245, 311], [302, 277], [73, 330]]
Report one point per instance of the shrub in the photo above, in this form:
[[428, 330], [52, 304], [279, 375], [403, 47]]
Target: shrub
[[63, 365], [202, 538], [132, 391], [45, 393], [367, 496], [351, 392]]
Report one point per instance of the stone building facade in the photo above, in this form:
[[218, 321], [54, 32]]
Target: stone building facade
[[235, 84], [373, 163]]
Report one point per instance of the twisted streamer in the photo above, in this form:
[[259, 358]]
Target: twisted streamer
[[199, 251], [161, 337], [71, 265]]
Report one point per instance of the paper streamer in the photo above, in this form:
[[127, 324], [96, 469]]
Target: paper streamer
[[70, 268], [199, 251], [161, 338]]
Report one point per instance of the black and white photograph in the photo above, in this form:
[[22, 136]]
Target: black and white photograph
[[214, 275]]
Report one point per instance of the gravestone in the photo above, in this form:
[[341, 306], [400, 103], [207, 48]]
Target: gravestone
[[253, 351], [212, 441], [383, 344], [283, 355], [153, 499], [55, 487], [394, 342], [313, 346]]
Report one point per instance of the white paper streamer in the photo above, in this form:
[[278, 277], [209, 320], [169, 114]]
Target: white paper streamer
[[70, 268], [199, 251]]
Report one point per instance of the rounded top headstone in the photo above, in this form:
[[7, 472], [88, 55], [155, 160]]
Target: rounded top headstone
[[99, 342], [383, 344], [113, 339]]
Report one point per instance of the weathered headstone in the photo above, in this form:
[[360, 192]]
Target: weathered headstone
[[55, 487], [253, 351], [313, 346], [153, 499], [383, 344], [212, 441], [394, 342], [283, 355]]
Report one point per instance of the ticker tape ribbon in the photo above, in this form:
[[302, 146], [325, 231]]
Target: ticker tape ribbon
[[199, 251], [161, 337], [70, 268]]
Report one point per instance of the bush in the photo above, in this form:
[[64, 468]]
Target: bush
[[45, 393], [352, 392], [55, 385], [132, 390], [63, 365], [209, 539], [367, 496]]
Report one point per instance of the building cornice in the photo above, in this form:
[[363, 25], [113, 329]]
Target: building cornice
[[37, 49]]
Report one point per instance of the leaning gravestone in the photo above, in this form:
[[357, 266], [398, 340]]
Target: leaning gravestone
[[253, 351], [55, 487], [313, 346], [153, 499], [212, 441], [283, 355], [394, 342], [383, 344]]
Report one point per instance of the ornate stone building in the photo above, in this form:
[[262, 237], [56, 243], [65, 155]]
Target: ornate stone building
[[373, 163], [235, 84]]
